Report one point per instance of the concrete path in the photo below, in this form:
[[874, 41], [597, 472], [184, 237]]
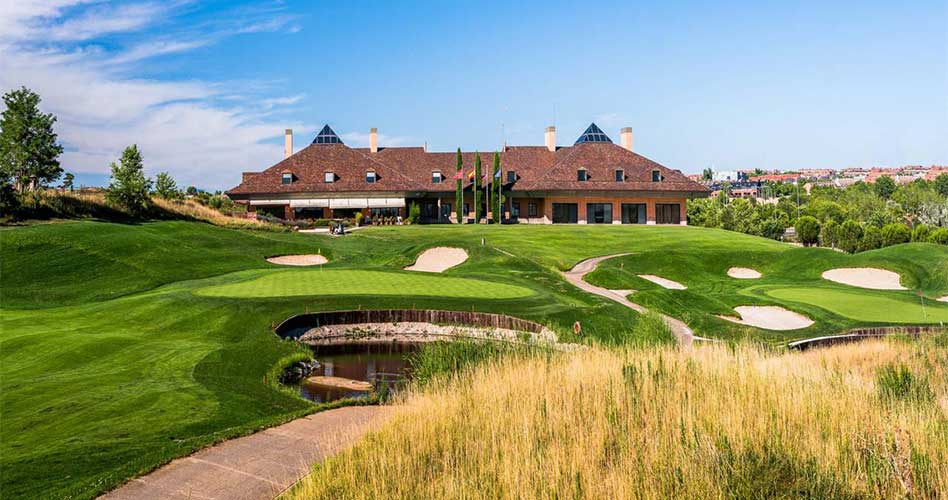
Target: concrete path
[[259, 466], [682, 333]]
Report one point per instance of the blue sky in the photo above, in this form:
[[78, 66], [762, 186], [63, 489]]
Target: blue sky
[[206, 88]]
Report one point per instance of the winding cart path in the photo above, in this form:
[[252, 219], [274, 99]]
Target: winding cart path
[[258, 466], [683, 334]]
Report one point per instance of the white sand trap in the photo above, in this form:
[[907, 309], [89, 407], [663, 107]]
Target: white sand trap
[[865, 277], [943, 299], [769, 318], [438, 259], [658, 280], [298, 260], [743, 273]]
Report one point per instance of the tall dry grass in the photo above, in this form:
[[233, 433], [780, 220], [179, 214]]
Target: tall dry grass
[[712, 422]]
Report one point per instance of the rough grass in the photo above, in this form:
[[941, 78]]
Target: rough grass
[[111, 363], [357, 282], [713, 422]]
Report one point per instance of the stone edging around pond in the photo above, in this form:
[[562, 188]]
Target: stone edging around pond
[[421, 332], [865, 333]]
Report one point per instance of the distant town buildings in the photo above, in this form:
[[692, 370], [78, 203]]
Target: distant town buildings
[[752, 183]]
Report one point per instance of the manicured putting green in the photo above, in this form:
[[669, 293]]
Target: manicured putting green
[[356, 282], [863, 306]]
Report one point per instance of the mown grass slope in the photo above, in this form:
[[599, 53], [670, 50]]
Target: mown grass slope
[[114, 356]]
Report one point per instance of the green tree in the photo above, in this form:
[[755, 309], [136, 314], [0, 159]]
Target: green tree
[[496, 186], [459, 190], [191, 191], [165, 187], [829, 233], [707, 174], [871, 239], [808, 230], [69, 181], [772, 228], [29, 153], [941, 184], [128, 186], [477, 188], [850, 236], [884, 187], [894, 234]]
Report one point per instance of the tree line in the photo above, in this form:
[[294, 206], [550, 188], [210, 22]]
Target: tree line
[[856, 218]]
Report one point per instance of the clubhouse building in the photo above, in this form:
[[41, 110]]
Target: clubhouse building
[[594, 181]]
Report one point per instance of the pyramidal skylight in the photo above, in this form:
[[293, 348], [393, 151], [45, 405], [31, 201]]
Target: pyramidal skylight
[[593, 134], [327, 136]]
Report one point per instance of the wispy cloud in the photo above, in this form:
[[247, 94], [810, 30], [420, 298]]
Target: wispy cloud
[[189, 128]]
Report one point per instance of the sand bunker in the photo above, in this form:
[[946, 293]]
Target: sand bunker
[[743, 273], [769, 318], [298, 260], [943, 299], [865, 277], [438, 259], [658, 280]]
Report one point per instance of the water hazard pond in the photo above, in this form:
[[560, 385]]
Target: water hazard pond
[[355, 370]]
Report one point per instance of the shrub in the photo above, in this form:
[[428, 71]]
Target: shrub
[[871, 239], [808, 230], [921, 232], [849, 236], [414, 213], [772, 228], [894, 234], [829, 234], [939, 236]]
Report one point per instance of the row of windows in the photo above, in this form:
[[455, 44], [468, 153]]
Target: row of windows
[[582, 175], [437, 177]]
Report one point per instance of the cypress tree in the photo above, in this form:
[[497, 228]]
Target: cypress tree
[[459, 190], [495, 177], [477, 187]]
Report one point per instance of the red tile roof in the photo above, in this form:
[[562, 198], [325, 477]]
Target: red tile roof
[[409, 169]]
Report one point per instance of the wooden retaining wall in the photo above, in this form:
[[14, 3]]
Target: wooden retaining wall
[[294, 326], [857, 334]]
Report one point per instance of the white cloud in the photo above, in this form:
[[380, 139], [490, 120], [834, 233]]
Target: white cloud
[[101, 106]]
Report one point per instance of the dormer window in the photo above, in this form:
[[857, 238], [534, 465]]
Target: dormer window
[[370, 177], [620, 175], [656, 176], [511, 176], [329, 177], [436, 177], [286, 178], [582, 175]]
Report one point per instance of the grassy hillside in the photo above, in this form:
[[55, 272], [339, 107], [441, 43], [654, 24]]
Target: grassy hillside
[[125, 345], [863, 420]]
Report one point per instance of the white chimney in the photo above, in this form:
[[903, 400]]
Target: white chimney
[[288, 143], [374, 140], [549, 138], [626, 137]]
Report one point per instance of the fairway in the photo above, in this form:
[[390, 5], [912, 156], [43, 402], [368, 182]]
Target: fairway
[[864, 306], [355, 282]]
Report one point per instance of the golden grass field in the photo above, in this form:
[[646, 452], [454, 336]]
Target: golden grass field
[[866, 420]]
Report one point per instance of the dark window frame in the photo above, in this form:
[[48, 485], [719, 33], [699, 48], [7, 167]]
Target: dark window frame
[[511, 176], [286, 178], [620, 175], [656, 175], [582, 175], [532, 210], [329, 177], [440, 177], [374, 176]]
